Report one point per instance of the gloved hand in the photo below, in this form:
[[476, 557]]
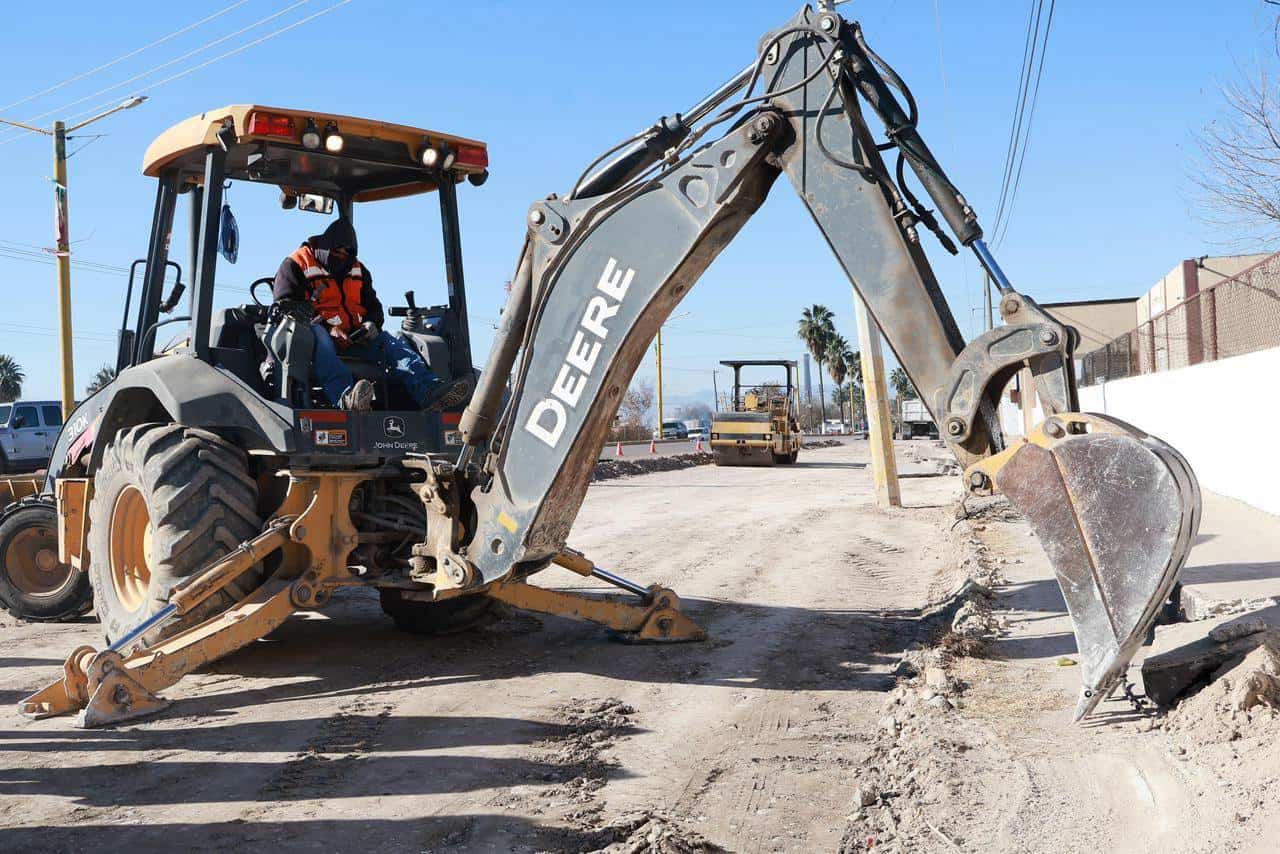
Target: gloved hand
[[372, 330]]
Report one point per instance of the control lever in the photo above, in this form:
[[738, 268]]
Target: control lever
[[411, 311]]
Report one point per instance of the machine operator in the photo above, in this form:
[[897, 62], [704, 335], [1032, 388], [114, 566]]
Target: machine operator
[[325, 275]]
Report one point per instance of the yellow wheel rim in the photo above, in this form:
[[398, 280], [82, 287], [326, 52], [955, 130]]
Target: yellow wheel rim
[[130, 546], [31, 562]]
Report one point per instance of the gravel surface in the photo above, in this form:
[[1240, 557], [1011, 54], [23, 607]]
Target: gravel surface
[[883, 680]]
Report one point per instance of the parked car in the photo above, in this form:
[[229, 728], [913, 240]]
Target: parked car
[[28, 429], [698, 429], [672, 430]]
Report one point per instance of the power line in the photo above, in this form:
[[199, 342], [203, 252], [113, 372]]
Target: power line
[[1015, 126], [1033, 56], [222, 56], [214, 43], [92, 71], [38, 255], [1026, 143]]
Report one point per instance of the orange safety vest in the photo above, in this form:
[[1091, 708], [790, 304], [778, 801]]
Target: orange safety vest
[[339, 305]]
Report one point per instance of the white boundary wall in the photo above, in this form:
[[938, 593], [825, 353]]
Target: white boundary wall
[[1221, 415]]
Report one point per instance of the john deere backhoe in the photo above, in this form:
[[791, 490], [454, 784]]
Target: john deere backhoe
[[1115, 509]]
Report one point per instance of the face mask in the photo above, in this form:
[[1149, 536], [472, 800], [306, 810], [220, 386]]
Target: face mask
[[338, 265]]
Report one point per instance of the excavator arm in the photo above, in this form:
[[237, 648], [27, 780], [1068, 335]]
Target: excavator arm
[[1115, 509]]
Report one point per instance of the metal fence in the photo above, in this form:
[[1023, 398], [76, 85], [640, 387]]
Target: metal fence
[[1235, 316]]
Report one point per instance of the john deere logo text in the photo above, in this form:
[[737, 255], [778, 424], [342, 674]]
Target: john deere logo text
[[549, 417]]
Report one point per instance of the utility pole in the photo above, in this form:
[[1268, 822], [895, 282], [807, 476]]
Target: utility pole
[[62, 239], [884, 468], [62, 252], [715, 392], [659, 382]]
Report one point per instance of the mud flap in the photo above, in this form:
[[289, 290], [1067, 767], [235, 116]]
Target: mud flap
[[1116, 511]]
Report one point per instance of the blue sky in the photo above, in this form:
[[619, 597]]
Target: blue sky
[[1104, 209]]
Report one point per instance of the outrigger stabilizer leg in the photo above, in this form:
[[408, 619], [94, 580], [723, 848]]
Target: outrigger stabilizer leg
[[657, 618], [315, 536]]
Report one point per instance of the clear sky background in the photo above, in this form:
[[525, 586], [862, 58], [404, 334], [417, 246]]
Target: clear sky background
[[1105, 205]]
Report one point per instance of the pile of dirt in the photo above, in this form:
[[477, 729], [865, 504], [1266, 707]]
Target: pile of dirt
[[585, 728], [609, 469], [1241, 699], [926, 768], [811, 444], [650, 833]]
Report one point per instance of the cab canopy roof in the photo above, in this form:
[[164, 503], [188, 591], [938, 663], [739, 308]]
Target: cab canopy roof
[[741, 363], [308, 152]]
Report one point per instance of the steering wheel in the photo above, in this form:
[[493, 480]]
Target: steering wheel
[[253, 289]]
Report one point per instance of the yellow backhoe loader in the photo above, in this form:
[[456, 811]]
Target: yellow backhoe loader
[[210, 495]]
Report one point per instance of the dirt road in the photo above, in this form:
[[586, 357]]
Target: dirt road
[[782, 733]]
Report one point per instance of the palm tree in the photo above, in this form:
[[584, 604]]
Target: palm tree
[[853, 367], [105, 374], [838, 352], [902, 385], [11, 377], [817, 324]]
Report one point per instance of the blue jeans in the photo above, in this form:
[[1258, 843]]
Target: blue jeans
[[385, 350]]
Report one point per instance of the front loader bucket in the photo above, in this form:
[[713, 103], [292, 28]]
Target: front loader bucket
[[1116, 511]]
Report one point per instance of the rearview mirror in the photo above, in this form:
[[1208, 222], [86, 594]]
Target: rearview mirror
[[315, 203]]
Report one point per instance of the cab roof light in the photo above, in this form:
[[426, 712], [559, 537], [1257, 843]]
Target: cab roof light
[[272, 124], [311, 136], [333, 141], [473, 156]]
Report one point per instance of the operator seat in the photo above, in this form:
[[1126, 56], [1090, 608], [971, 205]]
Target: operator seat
[[236, 342], [288, 367]]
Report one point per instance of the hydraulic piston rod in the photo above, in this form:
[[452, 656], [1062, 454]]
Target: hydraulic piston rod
[[988, 262]]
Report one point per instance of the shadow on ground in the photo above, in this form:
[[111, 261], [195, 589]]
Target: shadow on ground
[[1220, 572], [470, 833]]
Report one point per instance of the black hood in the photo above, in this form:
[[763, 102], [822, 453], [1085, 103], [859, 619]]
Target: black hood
[[339, 233]]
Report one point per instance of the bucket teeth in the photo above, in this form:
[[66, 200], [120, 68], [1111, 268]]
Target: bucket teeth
[[1116, 511]]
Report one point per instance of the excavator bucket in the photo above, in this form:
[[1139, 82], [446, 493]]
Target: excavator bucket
[[1116, 511]]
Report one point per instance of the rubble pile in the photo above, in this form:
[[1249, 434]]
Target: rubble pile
[[1241, 699], [623, 467], [917, 790], [653, 833]]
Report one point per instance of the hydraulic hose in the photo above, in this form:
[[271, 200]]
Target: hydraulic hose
[[480, 417]]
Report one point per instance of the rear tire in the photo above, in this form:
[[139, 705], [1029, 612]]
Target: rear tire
[[33, 585], [168, 501], [446, 617]]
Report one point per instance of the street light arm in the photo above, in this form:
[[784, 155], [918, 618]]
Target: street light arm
[[127, 105], [31, 128]]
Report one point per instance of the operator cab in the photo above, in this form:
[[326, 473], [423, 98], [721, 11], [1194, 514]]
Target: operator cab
[[321, 163]]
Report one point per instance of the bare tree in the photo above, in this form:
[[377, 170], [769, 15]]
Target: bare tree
[[636, 404], [699, 411], [1239, 172]]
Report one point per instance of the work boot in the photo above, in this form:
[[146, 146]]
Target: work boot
[[358, 398], [447, 395]]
